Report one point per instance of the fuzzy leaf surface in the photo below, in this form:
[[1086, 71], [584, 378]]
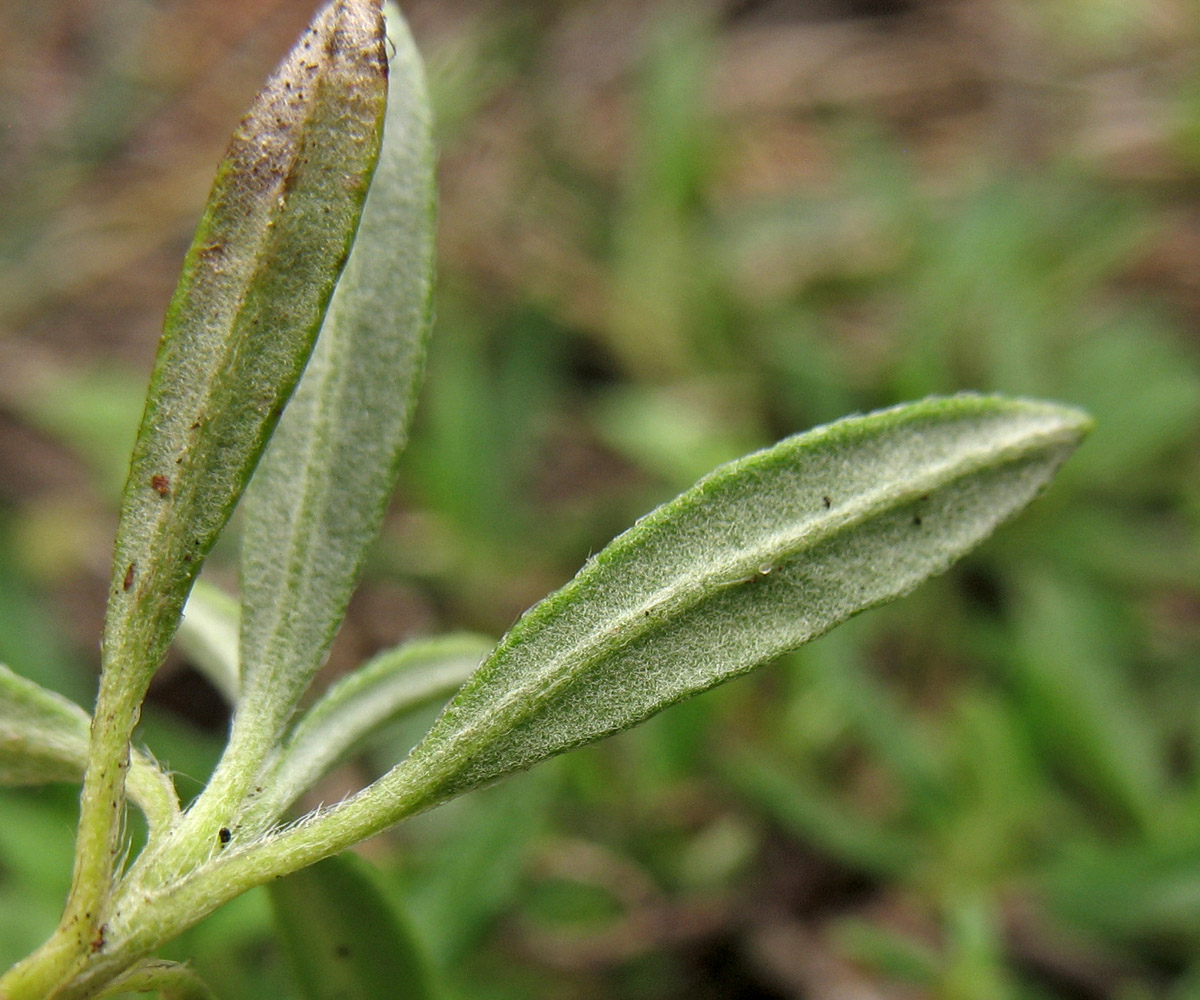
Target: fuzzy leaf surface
[[318, 499], [759, 557], [398, 681], [255, 286], [256, 282]]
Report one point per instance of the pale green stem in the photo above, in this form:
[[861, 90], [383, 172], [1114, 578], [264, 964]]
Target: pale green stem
[[144, 917]]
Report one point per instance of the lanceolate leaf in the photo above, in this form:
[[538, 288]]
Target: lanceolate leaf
[[758, 558], [394, 683], [255, 285], [44, 737], [318, 499]]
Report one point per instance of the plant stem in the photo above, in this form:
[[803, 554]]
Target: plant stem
[[143, 916], [38, 976]]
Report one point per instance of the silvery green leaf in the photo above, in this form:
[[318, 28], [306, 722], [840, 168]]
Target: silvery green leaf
[[398, 681], [44, 738], [208, 636], [254, 289], [317, 501], [757, 558], [255, 286], [318, 498]]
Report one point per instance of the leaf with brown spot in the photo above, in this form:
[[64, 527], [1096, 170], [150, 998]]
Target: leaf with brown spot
[[253, 293]]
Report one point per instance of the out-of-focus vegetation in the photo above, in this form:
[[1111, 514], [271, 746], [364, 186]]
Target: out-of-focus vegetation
[[671, 233]]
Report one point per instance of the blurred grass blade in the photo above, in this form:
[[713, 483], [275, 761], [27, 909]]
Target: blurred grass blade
[[255, 285], [345, 938], [899, 740], [208, 637], [1079, 703], [758, 558], [392, 684], [475, 868], [44, 738], [810, 814], [1133, 891], [318, 499]]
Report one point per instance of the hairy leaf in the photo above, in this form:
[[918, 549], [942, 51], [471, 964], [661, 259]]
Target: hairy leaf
[[255, 285], [759, 557], [254, 289], [318, 499], [394, 683]]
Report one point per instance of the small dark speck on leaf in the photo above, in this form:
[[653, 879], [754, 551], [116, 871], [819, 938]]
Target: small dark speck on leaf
[[826, 502], [128, 581], [224, 836], [161, 485], [342, 951], [917, 520]]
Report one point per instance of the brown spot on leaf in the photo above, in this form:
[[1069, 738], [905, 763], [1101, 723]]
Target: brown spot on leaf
[[128, 581], [161, 485]]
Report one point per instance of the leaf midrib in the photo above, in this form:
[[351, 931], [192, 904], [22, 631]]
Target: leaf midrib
[[678, 598]]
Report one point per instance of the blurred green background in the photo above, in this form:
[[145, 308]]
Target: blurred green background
[[671, 233]]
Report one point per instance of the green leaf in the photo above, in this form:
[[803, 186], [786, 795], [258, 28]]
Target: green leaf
[[318, 499], [757, 558], [255, 286], [44, 738], [254, 289], [170, 980], [208, 637], [395, 682], [345, 938]]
